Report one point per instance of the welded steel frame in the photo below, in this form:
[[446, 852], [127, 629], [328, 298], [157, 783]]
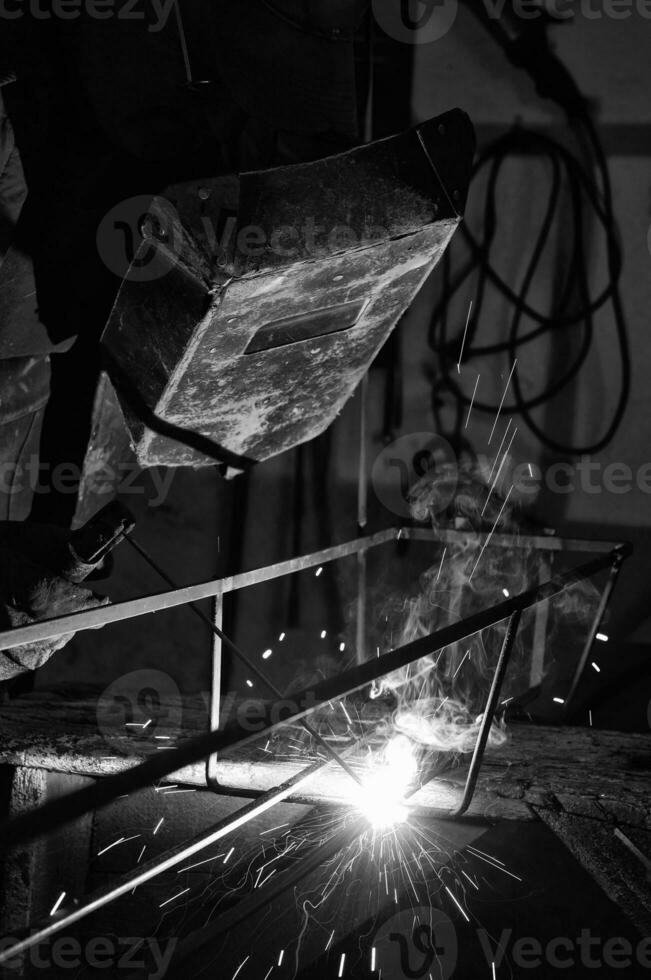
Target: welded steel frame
[[612, 555], [54, 813]]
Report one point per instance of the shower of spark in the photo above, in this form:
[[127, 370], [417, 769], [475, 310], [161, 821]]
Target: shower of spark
[[381, 796]]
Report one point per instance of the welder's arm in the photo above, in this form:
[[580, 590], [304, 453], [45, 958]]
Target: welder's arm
[[34, 560]]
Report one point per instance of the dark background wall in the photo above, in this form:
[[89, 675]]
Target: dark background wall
[[307, 498]]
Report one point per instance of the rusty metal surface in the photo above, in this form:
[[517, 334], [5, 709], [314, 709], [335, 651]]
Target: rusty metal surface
[[351, 237]]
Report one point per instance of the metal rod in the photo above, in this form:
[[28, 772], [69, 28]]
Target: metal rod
[[489, 713], [519, 542], [362, 517], [46, 629], [362, 466], [596, 623], [143, 873], [215, 687], [242, 657], [539, 641], [56, 812]]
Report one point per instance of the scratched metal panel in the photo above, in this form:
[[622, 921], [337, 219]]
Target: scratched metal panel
[[187, 343]]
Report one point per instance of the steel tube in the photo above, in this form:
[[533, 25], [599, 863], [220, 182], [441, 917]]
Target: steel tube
[[46, 629], [489, 713], [590, 638]]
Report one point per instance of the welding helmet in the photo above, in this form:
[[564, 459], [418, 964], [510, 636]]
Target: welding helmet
[[240, 352]]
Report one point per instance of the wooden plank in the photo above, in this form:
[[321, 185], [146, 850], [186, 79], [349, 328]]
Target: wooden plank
[[548, 767]]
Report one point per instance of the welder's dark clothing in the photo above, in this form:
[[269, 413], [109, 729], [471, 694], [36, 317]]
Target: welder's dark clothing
[[101, 112]]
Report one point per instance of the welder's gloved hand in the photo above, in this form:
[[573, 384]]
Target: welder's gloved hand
[[34, 560]]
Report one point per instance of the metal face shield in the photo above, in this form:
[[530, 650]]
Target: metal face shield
[[255, 305]]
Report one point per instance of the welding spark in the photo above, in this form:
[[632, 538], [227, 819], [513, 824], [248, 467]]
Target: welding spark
[[178, 895], [475, 886], [280, 957], [476, 850], [457, 904], [494, 974], [57, 904], [506, 593], [381, 795], [490, 535], [596, 667], [559, 700], [373, 959], [270, 875], [323, 634], [121, 840], [318, 571], [197, 863], [472, 401], [506, 388], [497, 475], [463, 342], [342, 963], [499, 865], [602, 636], [327, 945], [465, 657], [442, 560], [267, 654], [241, 965], [270, 830], [343, 708], [105, 849], [499, 451], [249, 683], [228, 855], [342, 647], [158, 826]]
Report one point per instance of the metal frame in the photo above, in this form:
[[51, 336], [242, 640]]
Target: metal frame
[[611, 555], [45, 818]]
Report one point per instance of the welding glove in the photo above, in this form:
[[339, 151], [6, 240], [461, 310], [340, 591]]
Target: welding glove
[[34, 562]]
